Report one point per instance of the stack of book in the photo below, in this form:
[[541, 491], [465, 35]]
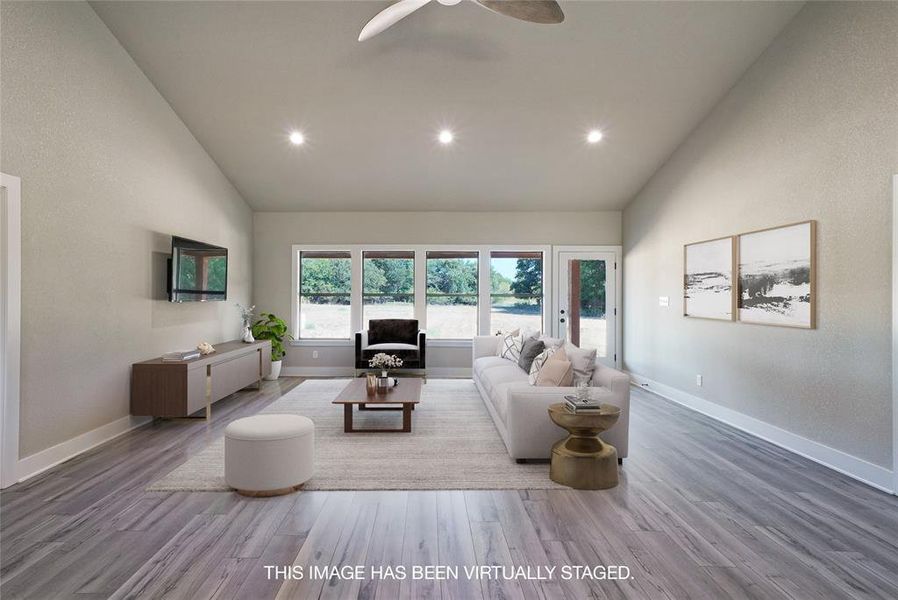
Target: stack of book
[[183, 355], [575, 405]]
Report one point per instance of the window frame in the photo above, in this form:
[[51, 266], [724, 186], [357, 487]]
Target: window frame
[[414, 258], [484, 251], [477, 255], [298, 292], [542, 295]]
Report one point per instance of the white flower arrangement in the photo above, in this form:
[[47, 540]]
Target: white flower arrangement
[[246, 313], [385, 361]]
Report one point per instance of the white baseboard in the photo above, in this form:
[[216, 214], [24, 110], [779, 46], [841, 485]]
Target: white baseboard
[[46, 459], [856, 468], [434, 372], [449, 372], [318, 371]]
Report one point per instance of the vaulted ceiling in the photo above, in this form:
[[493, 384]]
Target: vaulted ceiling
[[519, 97]]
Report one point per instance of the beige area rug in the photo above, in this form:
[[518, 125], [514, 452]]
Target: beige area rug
[[453, 445]]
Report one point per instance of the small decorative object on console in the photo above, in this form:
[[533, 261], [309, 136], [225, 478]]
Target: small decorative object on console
[[370, 383], [183, 355], [246, 313], [205, 348]]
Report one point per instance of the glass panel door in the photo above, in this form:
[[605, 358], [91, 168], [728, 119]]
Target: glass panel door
[[586, 308]]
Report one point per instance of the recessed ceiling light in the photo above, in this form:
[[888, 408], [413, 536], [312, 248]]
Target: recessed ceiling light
[[594, 136], [446, 137], [297, 138]]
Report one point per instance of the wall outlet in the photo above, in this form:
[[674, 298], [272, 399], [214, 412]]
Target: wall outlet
[[664, 301], [698, 380], [315, 355]]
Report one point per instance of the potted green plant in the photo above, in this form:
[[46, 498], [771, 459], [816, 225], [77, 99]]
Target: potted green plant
[[270, 327]]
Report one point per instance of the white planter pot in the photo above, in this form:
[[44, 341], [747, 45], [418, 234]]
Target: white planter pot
[[275, 370]]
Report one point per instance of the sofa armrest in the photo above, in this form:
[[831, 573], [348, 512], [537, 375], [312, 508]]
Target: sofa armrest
[[485, 345], [612, 379]]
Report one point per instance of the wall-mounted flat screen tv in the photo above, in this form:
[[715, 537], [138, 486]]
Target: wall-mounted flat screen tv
[[198, 271]]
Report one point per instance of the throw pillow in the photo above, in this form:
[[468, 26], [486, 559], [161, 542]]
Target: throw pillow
[[555, 373], [583, 362], [540, 360], [551, 341], [529, 351], [528, 333], [510, 347], [499, 334]]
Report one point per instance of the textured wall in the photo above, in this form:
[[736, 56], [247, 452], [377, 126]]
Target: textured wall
[[108, 173], [810, 132], [275, 233]]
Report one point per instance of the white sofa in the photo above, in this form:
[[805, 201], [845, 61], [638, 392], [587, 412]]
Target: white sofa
[[520, 409]]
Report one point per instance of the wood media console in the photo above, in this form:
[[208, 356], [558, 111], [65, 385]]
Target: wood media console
[[177, 389]]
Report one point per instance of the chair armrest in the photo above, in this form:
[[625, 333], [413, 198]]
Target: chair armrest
[[485, 345], [422, 347], [361, 342], [361, 339]]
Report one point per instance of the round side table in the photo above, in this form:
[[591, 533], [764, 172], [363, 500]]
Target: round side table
[[582, 460]]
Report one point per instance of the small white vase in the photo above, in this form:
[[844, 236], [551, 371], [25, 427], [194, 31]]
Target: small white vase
[[248, 335], [275, 370]]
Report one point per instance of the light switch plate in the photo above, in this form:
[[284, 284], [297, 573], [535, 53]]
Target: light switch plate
[[664, 301]]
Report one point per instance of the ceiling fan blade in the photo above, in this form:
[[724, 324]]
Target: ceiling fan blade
[[535, 11], [390, 16]]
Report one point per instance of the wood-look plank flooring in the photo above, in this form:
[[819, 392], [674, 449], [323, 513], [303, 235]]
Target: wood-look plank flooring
[[702, 511]]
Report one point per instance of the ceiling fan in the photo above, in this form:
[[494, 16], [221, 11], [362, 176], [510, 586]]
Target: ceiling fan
[[535, 11]]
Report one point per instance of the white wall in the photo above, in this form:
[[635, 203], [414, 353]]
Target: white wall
[[809, 132], [275, 233], [108, 173]]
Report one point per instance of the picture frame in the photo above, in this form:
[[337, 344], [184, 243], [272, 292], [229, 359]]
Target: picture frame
[[709, 269], [777, 276]]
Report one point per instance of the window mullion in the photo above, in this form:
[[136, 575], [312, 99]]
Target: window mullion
[[421, 288], [355, 303], [484, 284]]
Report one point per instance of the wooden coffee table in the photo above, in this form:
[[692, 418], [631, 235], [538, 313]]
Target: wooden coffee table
[[407, 393]]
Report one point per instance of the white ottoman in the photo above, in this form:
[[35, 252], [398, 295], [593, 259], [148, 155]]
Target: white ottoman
[[268, 455]]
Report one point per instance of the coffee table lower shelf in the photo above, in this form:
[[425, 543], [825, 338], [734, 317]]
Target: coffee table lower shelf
[[406, 419]]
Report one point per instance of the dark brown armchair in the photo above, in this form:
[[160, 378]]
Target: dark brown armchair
[[399, 337]]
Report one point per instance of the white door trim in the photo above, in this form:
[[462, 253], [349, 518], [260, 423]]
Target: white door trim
[[10, 326], [895, 334], [617, 251]]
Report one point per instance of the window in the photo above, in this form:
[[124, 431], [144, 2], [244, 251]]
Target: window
[[451, 295], [388, 285], [516, 291], [325, 295]]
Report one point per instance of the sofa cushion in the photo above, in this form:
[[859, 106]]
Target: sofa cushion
[[555, 373], [509, 372], [403, 331], [540, 360], [530, 350], [487, 362], [393, 346], [510, 347], [583, 362]]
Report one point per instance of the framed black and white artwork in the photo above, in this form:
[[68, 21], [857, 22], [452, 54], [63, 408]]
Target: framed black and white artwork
[[777, 278], [708, 279]]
